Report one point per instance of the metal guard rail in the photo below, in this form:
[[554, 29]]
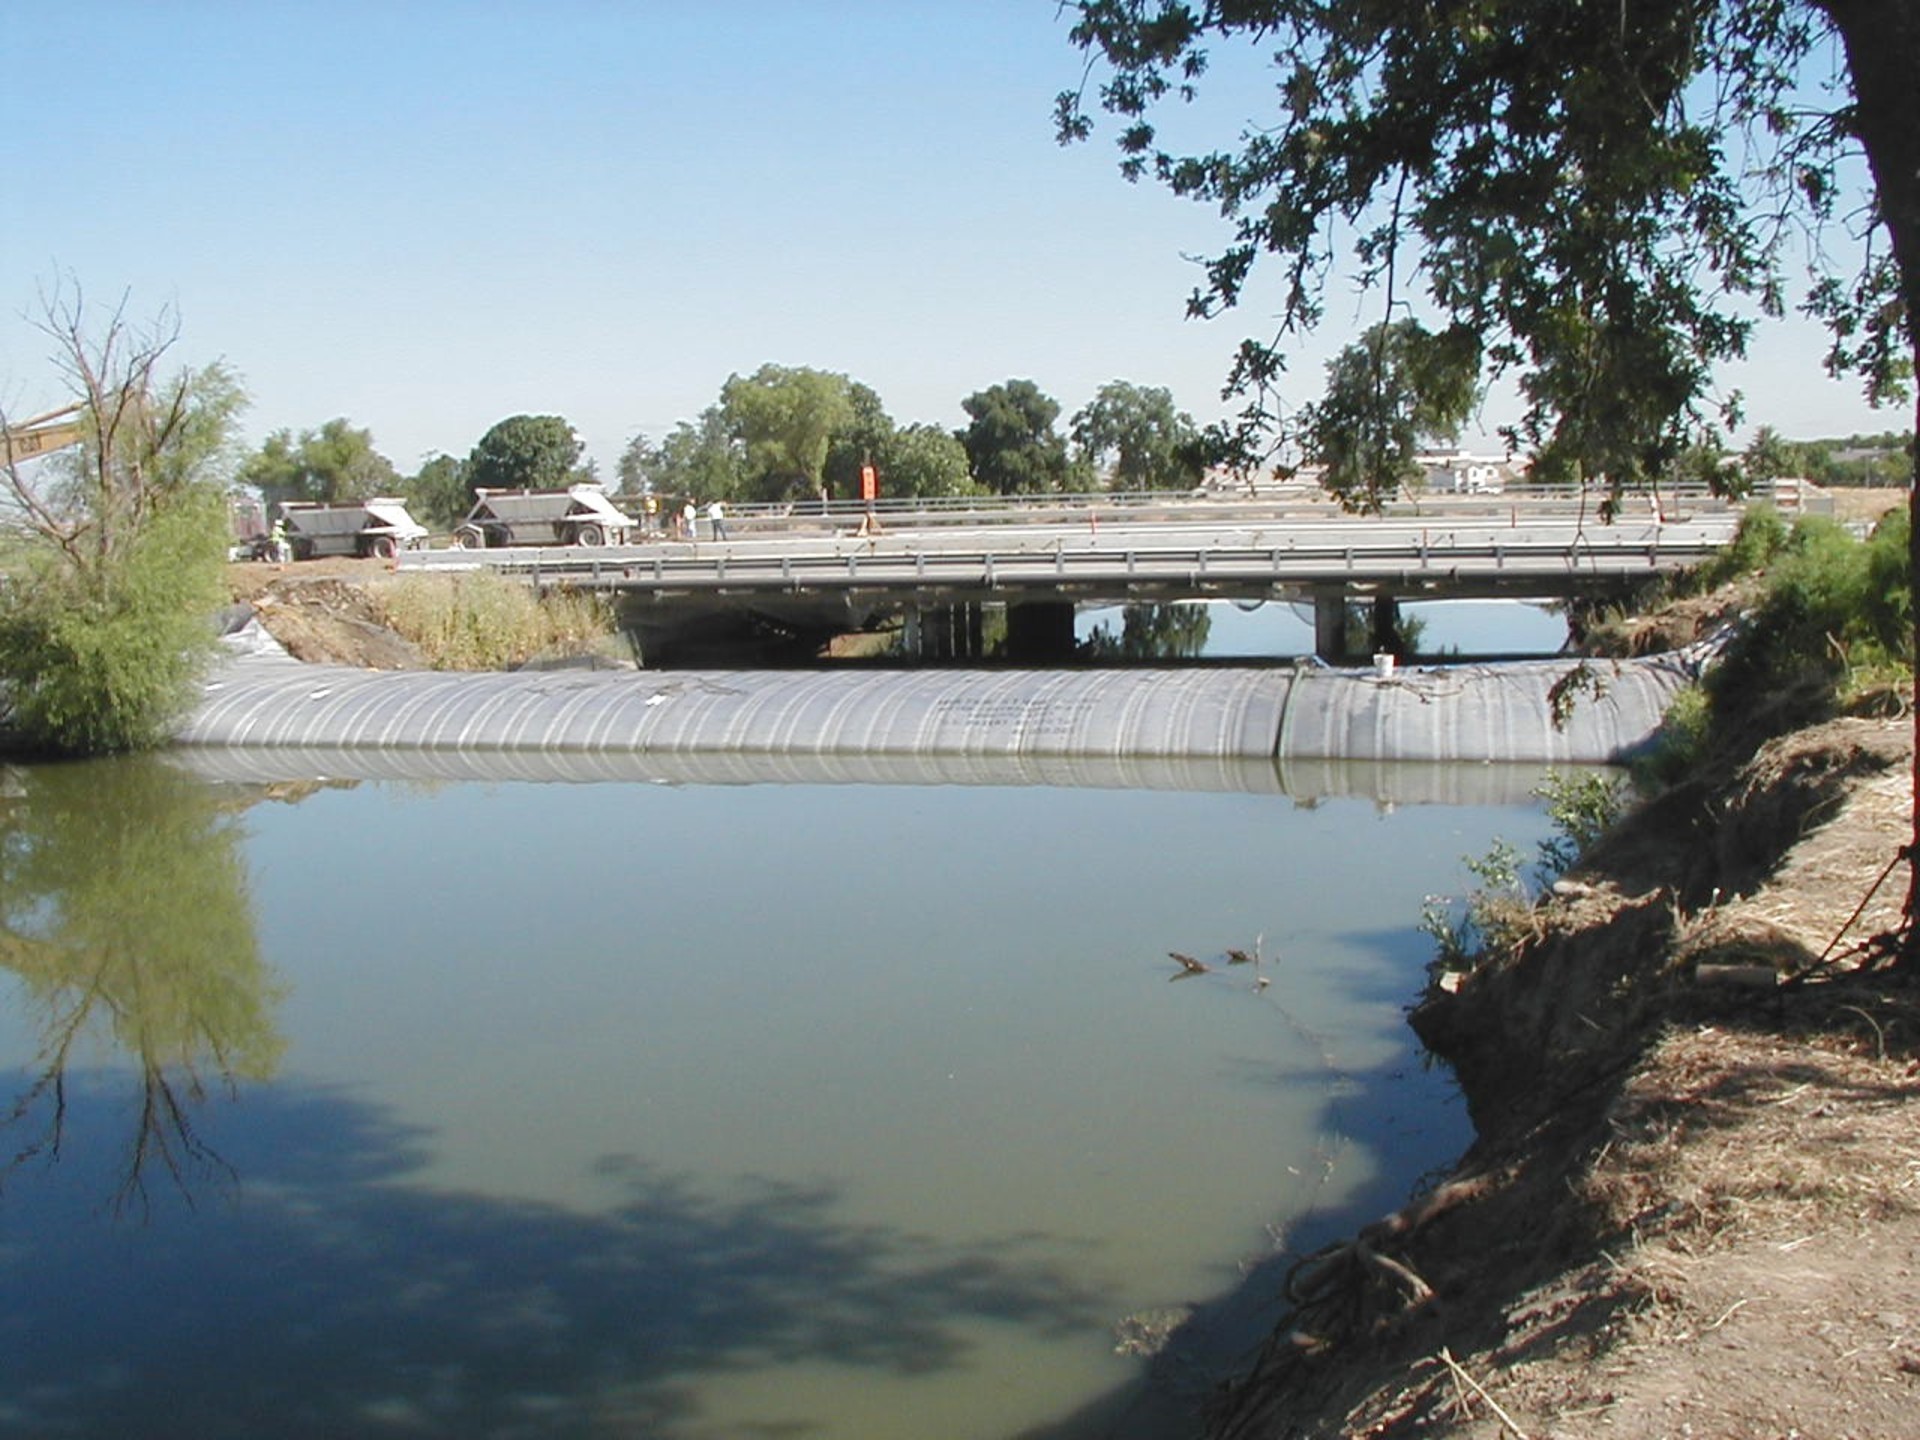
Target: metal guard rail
[[745, 568]]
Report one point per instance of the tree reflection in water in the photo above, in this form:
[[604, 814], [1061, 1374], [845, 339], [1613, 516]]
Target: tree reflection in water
[[1152, 632], [125, 913]]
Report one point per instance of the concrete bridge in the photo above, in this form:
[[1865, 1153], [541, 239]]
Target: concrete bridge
[[939, 569]]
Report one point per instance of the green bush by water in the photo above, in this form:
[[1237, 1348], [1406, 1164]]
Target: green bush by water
[[103, 656], [1833, 626]]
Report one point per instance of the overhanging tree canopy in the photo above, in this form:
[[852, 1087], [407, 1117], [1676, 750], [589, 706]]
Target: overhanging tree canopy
[[1604, 193], [1567, 179]]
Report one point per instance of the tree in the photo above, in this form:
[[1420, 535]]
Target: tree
[[786, 417], [1135, 435], [1555, 176], [1399, 388], [331, 464], [1768, 456], [864, 438], [1011, 442], [531, 452], [923, 461], [114, 550], [1569, 180], [701, 459], [439, 496]]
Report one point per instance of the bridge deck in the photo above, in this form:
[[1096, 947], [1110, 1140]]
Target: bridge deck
[[1516, 552]]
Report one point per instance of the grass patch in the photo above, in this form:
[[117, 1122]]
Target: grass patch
[[484, 621]]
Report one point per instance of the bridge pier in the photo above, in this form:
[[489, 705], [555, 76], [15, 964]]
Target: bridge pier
[[1330, 623], [1040, 630], [1386, 626], [946, 632], [1332, 606]]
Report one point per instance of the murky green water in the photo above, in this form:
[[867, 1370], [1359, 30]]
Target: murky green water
[[628, 1109]]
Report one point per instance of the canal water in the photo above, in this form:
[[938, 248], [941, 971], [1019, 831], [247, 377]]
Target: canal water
[[1276, 629], [645, 1109]]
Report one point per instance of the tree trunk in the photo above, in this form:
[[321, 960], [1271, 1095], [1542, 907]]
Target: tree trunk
[[1883, 55]]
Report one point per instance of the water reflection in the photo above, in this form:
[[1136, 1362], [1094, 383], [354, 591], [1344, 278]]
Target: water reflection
[[1152, 632], [342, 1300], [1307, 780], [125, 915], [919, 1130]]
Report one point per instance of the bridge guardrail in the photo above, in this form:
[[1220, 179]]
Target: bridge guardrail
[[739, 567], [1289, 498]]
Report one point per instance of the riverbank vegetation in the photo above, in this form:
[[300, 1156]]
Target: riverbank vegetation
[[115, 542], [1689, 1206], [343, 611], [486, 621]]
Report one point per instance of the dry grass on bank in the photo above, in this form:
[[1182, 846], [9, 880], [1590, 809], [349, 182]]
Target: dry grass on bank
[[355, 612], [483, 621], [1711, 1227]]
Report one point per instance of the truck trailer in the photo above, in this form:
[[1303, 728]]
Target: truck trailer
[[379, 527], [578, 515]]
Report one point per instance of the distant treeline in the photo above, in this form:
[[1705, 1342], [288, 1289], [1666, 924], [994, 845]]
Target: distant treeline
[[1884, 460]]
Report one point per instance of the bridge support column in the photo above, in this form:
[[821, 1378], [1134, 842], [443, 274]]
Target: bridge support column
[[1330, 624], [946, 632], [1386, 626], [1040, 630]]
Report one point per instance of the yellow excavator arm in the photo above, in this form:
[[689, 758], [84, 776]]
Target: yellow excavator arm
[[41, 435]]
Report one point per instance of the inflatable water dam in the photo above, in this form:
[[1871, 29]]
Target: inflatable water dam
[[1503, 712]]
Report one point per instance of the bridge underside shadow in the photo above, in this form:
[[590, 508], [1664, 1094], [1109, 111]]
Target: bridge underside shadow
[[1033, 625]]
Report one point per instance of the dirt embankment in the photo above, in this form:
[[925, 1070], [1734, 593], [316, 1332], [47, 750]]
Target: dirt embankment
[[324, 611], [1694, 1206]]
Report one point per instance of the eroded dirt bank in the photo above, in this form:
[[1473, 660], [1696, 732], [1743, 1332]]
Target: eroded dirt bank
[[1694, 1206]]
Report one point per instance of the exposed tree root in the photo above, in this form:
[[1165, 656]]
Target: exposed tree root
[[1349, 1291]]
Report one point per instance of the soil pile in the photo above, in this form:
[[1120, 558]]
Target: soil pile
[[1694, 1206], [324, 611]]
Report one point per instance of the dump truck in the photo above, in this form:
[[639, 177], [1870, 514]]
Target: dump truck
[[578, 515], [379, 527]]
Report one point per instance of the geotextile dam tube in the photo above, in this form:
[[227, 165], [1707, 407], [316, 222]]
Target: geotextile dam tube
[[1500, 712]]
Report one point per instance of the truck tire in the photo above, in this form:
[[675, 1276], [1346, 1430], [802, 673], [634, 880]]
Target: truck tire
[[590, 534], [381, 547], [468, 537]]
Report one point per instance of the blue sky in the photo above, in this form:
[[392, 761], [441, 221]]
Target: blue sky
[[429, 216]]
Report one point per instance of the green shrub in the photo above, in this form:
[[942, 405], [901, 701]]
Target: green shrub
[[1497, 912], [484, 621], [105, 656], [1581, 807], [1680, 742], [1762, 534], [1835, 620]]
